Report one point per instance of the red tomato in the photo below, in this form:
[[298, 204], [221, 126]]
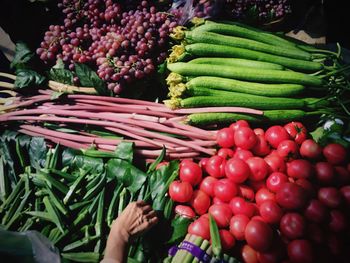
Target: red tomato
[[200, 227], [291, 196], [207, 185], [258, 167], [275, 134], [310, 149], [200, 202], [288, 149], [217, 201], [225, 190], [300, 168], [324, 173], [225, 138], [222, 214], [335, 245], [293, 226], [259, 131], [216, 166], [185, 161], [315, 233], [335, 153], [257, 185], [180, 191], [225, 153], [238, 224], [307, 185], [342, 176], [190, 172], [242, 154], [276, 163], [345, 191], [245, 138], [246, 192], [249, 255], [261, 147], [297, 131], [275, 254], [258, 235], [338, 222], [263, 195], [237, 170], [300, 251], [239, 206], [202, 163], [238, 124], [316, 211], [329, 196], [227, 239], [275, 180], [185, 211], [270, 212]]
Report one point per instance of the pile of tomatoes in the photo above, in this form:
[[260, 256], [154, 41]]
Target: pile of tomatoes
[[275, 194]]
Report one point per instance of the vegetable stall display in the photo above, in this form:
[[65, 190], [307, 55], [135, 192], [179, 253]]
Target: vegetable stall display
[[78, 144], [72, 198], [230, 64]]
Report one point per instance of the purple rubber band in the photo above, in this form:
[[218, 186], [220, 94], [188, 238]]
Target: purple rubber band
[[195, 251], [172, 251]]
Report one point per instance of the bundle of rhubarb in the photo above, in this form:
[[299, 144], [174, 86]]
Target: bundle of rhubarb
[[230, 64], [85, 121]]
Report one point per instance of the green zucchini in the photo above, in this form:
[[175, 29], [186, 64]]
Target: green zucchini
[[240, 42], [270, 90], [237, 62], [211, 50], [248, 74]]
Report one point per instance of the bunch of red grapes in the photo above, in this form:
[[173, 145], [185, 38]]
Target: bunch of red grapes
[[123, 41]]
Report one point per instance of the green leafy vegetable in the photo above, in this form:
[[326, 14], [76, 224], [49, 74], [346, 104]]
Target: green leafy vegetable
[[28, 78], [179, 225], [22, 56], [89, 78], [37, 152], [131, 177], [61, 75], [125, 151]]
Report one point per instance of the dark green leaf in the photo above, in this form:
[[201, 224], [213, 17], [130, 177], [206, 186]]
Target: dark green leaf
[[179, 226], [61, 75], [131, 177], [125, 151], [157, 161], [22, 56], [37, 152], [159, 178], [89, 78], [27, 78], [8, 151], [75, 160]]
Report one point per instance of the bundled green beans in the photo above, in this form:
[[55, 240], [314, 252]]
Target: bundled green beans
[[194, 249], [72, 197], [232, 65]]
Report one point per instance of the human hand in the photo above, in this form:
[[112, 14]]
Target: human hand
[[136, 219]]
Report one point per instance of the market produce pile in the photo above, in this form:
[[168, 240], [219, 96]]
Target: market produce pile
[[230, 64], [123, 40], [239, 138], [275, 195]]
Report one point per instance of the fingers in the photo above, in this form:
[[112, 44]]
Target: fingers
[[151, 215]]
